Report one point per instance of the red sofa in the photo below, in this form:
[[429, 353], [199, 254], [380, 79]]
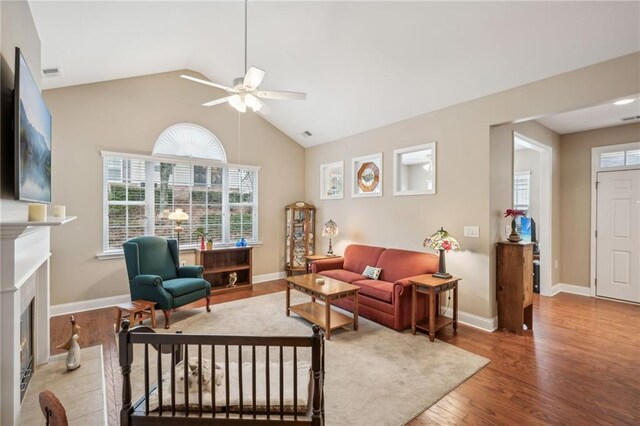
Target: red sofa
[[386, 300]]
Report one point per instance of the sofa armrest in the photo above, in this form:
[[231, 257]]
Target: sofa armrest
[[403, 285], [327, 264], [190, 271], [147, 280]]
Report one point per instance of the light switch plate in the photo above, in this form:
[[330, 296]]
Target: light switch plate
[[472, 231]]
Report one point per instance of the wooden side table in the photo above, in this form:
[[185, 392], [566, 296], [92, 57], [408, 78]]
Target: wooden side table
[[432, 286], [143, 308], [313, 257]]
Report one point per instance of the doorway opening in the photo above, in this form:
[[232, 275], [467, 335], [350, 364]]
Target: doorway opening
[[532, 170]]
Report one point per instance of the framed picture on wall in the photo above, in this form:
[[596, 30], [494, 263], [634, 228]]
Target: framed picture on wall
[[332, 181], [366, 176]]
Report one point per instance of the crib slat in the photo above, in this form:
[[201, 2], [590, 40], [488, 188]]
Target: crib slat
[[240, 380], [253, 379], [213, 378], [185, 368], [159, 371], [295, 383], [173, 380], [200, 379], [226, 378], [146, 379], [281, 384], [267, 368]]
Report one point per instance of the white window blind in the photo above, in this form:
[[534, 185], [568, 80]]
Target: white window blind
[[219, 198], [521, 190], [623, 158]]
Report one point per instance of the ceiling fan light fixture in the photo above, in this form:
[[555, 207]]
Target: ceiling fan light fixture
[[252, 102], [236, 102]]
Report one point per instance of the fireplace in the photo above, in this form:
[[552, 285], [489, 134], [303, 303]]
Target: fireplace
[[26, 348]]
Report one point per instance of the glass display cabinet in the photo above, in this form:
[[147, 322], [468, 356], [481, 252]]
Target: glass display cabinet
[[300, 220]]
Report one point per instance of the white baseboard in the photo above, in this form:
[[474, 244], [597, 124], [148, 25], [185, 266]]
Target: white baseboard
[[88, 305], [570, 288], [105, 302], [482, 323], [268, 277]]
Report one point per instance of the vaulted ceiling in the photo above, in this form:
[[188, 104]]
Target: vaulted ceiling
[[362, 64]]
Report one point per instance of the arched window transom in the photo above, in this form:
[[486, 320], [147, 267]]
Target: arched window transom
[[189, 140]]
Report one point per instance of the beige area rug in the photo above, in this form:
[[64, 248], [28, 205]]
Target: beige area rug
[[374, 376], [81, 392]]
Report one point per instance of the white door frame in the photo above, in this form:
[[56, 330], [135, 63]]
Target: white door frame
[[595, 169], [546, 207]]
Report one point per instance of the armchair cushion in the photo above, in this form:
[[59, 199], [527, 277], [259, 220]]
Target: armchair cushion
[[180, 286], [190, 271]]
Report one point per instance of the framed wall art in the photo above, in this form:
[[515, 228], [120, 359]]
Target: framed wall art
[[366, 176], [414, 170], [332, 181]]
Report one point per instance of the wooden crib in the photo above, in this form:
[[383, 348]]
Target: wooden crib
[[267, 380]]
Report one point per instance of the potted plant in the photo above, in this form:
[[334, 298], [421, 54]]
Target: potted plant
[[514, 237], [202, 235], [210, 243]]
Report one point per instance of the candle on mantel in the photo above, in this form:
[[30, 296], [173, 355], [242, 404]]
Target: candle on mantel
[[37, 212], [59, 211]]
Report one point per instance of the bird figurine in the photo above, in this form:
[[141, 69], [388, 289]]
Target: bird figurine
[[73, 356], [75, 330]]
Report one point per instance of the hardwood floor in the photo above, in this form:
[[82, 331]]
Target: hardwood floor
[[580, 364]]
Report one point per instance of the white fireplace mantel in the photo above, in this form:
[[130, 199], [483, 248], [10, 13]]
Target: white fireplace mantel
[[25, 249]]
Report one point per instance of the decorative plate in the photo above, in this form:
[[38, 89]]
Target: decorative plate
[[368, 177]]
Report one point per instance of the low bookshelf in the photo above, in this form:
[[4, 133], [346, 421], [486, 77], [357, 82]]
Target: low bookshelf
[[219, 263]]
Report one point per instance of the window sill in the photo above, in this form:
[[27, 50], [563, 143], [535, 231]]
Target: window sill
[[119, 254]]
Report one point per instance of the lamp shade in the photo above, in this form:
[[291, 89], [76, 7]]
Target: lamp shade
[[330, 229], [441, 240], [178, 215]]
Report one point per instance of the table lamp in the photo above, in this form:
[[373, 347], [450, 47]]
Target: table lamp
[[442, 241], [330, 230], [178, 216]]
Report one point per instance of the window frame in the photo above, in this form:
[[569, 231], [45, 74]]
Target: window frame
[[149, 202], [516, 176]]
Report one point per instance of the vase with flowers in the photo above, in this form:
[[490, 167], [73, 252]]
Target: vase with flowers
[[514, 237]]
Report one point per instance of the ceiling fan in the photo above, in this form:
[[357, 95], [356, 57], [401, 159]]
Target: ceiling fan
[[244, 92]]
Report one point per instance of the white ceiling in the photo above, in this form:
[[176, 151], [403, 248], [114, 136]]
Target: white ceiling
[[604, 115], [363, 64]]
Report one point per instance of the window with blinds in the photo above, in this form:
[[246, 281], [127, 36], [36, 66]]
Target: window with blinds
[[220, 199], [521, 190]]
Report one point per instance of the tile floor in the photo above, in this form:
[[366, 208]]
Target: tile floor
[[81, 391]]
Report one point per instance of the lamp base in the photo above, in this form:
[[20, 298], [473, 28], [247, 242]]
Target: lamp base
[[443, 275]]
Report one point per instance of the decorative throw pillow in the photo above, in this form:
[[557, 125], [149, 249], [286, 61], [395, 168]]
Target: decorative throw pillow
[[372, 272]]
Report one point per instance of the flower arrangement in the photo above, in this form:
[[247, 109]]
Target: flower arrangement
[[441, 240], [514, 213]]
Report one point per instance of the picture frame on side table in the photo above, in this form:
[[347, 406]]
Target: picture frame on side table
[[332, 181], [366, 176], [414, 170]]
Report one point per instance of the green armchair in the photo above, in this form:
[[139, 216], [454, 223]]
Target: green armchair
[[155, 274]]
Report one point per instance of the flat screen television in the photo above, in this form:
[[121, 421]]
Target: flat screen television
[[32, 131]]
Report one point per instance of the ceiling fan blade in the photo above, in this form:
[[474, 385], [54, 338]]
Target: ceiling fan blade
[[209, 83], [284, 96], [217, 101], [253, 78]]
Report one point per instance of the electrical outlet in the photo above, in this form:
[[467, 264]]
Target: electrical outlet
[[183, 263], [472, 231]]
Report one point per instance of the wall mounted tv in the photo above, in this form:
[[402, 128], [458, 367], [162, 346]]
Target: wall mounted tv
[[32, 131]]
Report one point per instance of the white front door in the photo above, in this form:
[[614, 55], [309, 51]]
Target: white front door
[[618, 235]]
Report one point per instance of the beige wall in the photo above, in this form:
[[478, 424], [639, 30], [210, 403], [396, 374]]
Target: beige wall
[[17, 29], [127, 116], [575, 227], [471, 187], [502, 155]]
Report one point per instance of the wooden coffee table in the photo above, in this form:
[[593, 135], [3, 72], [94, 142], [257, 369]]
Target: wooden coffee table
[[322, 314]]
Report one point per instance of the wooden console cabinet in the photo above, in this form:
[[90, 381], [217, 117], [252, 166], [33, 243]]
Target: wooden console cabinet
[[221, 262], [514, 280]]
